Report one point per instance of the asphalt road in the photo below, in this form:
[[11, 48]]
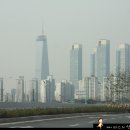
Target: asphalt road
[[76, 121]]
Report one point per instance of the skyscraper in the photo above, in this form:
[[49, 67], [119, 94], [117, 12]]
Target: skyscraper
[[123, 58], [76, 64], [102, 59], [92, 62], [42, 65]]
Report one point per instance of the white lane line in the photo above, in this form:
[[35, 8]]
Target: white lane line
[[42, 120], [74, 125], [128, 117], [14, 126], [92, 121], [113, 118], [92, 117], [109, 115], [21, 127], [105, 115], [26, 127]]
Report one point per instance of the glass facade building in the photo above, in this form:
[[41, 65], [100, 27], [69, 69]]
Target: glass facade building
[[100, 60], [76, 64], [42, 65], [123, 58], [92, 62]]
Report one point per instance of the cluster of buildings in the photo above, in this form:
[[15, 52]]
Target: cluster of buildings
[[43, 87]]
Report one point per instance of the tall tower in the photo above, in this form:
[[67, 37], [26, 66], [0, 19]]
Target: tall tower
[[103, 59], [100, 60], [76, 64], [92, 62], [42, 65], [123, 58]]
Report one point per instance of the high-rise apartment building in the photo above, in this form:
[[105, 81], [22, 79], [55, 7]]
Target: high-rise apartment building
[[13, 95], [89, 89], [93, 62], [123, 58], [20, 93], [33, 92], [76, 64], [64, 91], [82, 92], [47, 90], [101, 60], [93, 88]]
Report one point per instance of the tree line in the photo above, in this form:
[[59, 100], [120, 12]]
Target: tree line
[[118, 87]]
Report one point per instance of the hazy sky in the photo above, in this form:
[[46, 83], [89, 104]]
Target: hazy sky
[[65, 22]]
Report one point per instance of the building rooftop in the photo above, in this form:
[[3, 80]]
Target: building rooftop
[[75, 46]]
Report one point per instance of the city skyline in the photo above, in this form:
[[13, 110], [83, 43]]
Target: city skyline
[[94, 51], [66, 22], [95, 82], [62, 61]]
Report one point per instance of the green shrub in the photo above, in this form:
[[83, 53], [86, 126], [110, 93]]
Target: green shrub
[[4, 113]]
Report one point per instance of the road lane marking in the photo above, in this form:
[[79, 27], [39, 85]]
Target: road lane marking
[[14, 126], [74, 125], [20, 122], [105, 115], [21, 127], [26, 127], [113, 118], [112, 115], [50, 119], [128, 117], [92, 117], [92, 121]]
